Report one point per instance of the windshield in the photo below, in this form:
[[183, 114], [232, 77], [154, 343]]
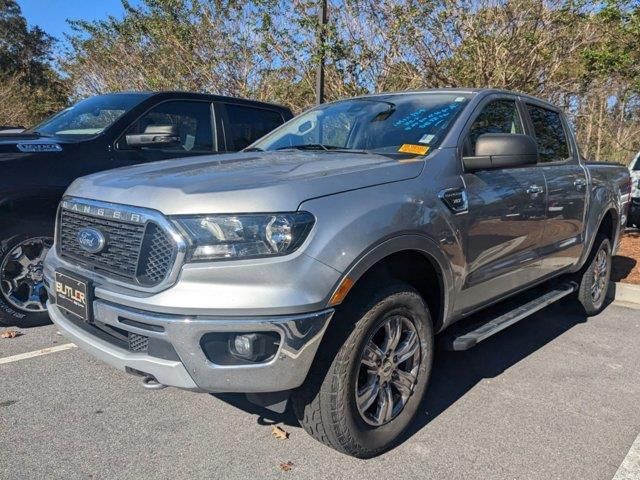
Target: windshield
[[384, 124], [89, 117]]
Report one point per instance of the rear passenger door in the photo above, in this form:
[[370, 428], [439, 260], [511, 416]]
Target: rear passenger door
[[506, 213], [244, 124], [566, 188]]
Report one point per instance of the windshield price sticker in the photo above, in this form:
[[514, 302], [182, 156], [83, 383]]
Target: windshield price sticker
[[415, 149]]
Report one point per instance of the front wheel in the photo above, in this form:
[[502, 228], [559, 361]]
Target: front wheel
[[360, 399], [22, 293], [594, 279]]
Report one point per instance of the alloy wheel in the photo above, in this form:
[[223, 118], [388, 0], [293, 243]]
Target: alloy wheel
[[600, 272], [388, 371], [22, 275]]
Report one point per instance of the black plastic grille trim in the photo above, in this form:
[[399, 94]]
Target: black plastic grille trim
[[138, 343], [137, 253]]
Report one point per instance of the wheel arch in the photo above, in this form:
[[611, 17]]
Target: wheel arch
[[41, 200], [607, 224], [414, 259]]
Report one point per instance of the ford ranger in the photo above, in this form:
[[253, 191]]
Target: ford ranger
[[318, 265], [100, 133]]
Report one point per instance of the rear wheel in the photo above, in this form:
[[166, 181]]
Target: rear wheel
[[594, 279], [22, 293], [361, 398]]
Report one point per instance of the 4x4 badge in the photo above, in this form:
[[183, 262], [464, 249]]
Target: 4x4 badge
[[456, 199]]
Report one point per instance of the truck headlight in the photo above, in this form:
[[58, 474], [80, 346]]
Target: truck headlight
[[218, 237]]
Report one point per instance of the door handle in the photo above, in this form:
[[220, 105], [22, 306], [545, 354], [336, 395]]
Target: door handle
[[534, 190], [579, 183]]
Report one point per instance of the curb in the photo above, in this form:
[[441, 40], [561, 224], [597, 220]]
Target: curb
[[624, 293]]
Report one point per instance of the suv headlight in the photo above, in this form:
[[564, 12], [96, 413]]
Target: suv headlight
[[219, 237]]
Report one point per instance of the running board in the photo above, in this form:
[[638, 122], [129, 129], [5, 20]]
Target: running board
[[468, 336]]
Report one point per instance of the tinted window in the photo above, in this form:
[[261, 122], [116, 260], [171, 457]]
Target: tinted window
[[550, 135], [499, 116], [193, 120], [248, 124]]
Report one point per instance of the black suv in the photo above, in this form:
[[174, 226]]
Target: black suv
[[101, 133]]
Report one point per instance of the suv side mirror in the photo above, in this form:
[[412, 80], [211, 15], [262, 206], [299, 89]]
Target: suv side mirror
[[155, 136], [502, 150]]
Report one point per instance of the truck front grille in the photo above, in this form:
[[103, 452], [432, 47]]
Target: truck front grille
[[137, 253]]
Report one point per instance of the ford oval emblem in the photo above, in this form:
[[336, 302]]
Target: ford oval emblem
[[91, 240]]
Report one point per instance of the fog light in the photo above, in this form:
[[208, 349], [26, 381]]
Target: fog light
[[239, 348], [254, 347], [244, 345]]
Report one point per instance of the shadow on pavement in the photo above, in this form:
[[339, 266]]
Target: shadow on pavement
[[622, 267], [455, 373]]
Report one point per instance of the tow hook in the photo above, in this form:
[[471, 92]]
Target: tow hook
[[151, 383]]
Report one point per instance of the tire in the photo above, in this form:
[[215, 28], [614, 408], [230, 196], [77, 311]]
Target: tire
[[25, 240], [594, 277], [326, 404]]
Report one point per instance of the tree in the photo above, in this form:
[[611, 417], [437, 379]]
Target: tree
[[583, 56], [26, 75]]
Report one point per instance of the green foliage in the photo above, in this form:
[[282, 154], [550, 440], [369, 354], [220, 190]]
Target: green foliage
[[26, 77], [584, 56]]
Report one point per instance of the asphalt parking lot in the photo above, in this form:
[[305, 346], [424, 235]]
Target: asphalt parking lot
[[555, 396]]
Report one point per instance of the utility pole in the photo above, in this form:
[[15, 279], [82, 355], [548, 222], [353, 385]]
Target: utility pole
[[322, 17]]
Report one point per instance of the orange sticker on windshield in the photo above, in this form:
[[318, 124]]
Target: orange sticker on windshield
[[415, 149]]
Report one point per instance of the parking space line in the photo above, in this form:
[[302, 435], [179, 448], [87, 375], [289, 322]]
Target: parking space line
[[37, 353], [630, 467]]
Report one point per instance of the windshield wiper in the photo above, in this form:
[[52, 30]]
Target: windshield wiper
[[323, 148], [308, 146], [253, 149]]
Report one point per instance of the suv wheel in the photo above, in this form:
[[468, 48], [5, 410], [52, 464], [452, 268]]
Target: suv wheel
[[23, 297], [361, 398], [594, 280]]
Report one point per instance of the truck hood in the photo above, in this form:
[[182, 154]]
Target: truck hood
[[242, 182]]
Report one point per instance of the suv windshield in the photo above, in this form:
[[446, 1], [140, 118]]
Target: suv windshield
[[89, 117], [384, 124]]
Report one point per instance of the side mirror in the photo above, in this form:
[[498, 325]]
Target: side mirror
[[155, 136], [502, 150]]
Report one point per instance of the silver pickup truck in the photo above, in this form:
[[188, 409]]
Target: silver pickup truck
[[318, 265]]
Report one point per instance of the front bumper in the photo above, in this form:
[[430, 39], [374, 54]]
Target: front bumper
[[186, 366]]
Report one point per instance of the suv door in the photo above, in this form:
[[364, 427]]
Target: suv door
[[244, 124], [194, 119], [506, 214], [566, 188]]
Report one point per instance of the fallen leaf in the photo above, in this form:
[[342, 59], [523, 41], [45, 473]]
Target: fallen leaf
[[285, 467], [10, 334], [279, 433]]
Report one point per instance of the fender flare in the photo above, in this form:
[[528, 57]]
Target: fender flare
[[26, 198], [592, 230], [402, 243]]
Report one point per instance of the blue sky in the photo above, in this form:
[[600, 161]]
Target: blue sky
[[51, 15]]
